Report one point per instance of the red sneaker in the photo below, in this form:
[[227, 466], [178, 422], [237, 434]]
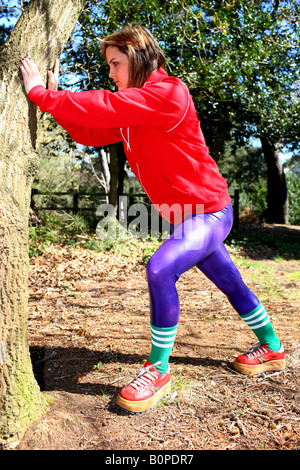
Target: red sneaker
[[260, 359], [146, 390]]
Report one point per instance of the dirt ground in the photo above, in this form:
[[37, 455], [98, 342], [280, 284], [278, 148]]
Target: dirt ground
[[89, 334]]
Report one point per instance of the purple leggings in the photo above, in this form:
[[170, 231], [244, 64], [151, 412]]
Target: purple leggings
[[197, 241]]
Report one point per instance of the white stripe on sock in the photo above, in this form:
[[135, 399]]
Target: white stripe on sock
[[254, 314], [170, 345], [166, 340], [260, 325], [163, 333], [257, 319]]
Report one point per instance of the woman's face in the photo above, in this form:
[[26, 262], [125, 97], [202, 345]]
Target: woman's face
[[118, 67]]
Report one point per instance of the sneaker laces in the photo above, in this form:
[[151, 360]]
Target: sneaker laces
[[145, 376], [256, 350]]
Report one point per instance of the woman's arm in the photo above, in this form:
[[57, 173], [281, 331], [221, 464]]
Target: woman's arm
[[84, 135], [90, 137], [162, 103]]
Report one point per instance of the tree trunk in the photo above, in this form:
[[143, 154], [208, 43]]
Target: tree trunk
[[277, 196], [41, 33], [216, 144], [117, 170], [114, 175], [105, 169], [121, 163]]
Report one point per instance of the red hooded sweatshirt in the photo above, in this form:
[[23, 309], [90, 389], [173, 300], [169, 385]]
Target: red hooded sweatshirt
[[162, 139]]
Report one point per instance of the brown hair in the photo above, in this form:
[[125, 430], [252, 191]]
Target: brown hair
[[144, 54]]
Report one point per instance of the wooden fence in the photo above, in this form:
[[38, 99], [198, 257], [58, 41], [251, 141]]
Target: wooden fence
[[95, 199]]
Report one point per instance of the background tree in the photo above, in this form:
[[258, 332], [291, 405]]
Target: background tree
[[292, 168], [245, 169], [41, 32], [249, 60]]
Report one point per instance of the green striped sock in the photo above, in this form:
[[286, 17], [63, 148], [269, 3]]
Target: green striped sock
[[259, 322], [162, 342]]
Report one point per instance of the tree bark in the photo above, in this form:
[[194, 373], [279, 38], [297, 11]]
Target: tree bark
[[41, 33], [277, 195]]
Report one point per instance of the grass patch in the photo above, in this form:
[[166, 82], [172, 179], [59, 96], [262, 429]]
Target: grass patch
[[277, 243], [73, 229], [295, 276]]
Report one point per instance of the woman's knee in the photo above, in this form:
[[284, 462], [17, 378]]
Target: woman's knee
[[158, 270], [153, 270]]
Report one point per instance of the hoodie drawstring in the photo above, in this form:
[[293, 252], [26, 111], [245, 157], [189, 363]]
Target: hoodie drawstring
[[127, 141]]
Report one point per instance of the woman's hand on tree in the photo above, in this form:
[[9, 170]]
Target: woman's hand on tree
[[53, 76], [32, 76]]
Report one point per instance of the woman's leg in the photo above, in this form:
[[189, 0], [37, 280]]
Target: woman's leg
[[198, 241], [220, 269], [190, 243]]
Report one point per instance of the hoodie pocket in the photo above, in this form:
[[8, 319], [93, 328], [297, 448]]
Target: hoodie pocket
[[178, 184]]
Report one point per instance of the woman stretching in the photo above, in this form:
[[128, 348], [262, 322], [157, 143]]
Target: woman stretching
[[154, 116]]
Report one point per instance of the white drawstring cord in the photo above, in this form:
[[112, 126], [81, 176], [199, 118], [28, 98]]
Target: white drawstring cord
[[127, 141]]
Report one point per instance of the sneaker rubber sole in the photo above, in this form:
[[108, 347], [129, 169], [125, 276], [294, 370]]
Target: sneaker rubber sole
[[269, 366], [141, 406]]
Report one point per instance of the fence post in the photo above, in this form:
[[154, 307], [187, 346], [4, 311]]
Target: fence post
[[75, 202], [236, 209]]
